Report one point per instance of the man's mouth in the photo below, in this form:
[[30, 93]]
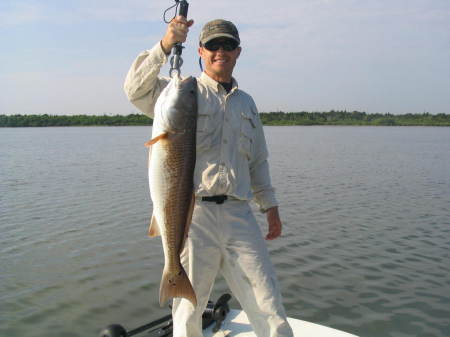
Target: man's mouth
[[220, 61]]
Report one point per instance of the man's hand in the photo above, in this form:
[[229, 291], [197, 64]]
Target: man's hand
[[176, 32], [273, 219]]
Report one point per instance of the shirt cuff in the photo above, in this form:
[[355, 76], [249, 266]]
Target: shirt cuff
[[160, 45], [159, 53], [265, 200]]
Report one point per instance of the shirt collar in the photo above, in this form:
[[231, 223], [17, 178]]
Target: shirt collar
[[205, 79]]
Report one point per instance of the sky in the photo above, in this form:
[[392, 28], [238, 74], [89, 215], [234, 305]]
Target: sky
[[378, 56]]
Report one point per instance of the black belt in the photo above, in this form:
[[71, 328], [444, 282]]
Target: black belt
[[218, 199]]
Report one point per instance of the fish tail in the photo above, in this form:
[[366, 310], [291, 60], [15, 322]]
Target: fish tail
[[176, 285]]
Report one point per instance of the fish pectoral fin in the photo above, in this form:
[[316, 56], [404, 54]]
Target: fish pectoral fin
[[156, 139], [176, 285], [153, 229]]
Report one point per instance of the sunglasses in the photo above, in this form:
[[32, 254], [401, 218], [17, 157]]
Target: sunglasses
[[227, 45]]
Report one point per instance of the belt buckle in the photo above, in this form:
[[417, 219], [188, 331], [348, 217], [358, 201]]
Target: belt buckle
[[221, 199]]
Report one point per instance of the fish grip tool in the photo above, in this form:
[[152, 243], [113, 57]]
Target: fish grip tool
[[176, 61]]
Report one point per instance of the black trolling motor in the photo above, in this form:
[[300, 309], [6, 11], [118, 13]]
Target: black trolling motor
[[181, 6], [162, 327]]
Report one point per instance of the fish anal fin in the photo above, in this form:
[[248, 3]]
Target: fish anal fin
[[188, 221], [176, 285], [156, 139], [153, 228]]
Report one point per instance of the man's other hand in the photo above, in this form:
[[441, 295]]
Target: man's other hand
[[273, 219]]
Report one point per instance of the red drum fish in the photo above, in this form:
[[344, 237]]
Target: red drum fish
[[171, 171]]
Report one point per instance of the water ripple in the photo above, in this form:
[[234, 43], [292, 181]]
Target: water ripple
[[365, 246]]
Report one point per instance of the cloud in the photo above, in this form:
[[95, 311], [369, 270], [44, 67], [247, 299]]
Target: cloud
[[306, 54], [63, 93], [60, 12], [249, 12], [17, 13]]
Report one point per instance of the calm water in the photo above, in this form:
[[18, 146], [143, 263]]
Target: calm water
[[367, 229]]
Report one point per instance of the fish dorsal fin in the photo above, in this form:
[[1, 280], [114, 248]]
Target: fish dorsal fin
[[153, 229], [156, 139]]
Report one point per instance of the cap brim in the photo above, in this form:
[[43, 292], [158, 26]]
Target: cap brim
[[215, 36]]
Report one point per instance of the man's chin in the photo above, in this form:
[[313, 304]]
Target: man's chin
[[221, 71]]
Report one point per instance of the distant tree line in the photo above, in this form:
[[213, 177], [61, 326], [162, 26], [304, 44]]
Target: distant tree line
[[73, 120], [270, 118], [353, 118]]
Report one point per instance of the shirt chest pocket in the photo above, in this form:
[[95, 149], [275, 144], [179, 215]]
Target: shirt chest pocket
[[247, 135], [203, 121], [205, 129]]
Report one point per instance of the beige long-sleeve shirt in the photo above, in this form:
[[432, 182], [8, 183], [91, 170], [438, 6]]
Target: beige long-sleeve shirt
[[231, 147]]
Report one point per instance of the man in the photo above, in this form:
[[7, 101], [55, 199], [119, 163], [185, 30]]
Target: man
[[231, 169]]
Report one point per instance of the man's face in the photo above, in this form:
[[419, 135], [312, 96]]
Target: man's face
[[218, 59]]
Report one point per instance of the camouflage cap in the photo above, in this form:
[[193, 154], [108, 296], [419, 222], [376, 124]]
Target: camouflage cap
[[219, 28]]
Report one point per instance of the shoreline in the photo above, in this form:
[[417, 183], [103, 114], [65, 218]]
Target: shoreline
[[331, 118], [265, 125]]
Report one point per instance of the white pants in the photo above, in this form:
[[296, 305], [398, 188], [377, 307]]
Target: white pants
[[226, 238]]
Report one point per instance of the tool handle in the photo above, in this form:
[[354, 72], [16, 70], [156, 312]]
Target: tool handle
[[176, 61], [184, 6], [183, 10]]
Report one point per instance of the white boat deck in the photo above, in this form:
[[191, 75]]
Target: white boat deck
[[236, 325]]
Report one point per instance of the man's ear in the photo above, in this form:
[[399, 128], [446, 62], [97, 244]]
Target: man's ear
[[239, 51], [200, 52]]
